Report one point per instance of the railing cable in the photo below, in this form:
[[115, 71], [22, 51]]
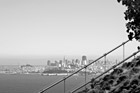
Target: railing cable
[[45, 89], [106, 71]]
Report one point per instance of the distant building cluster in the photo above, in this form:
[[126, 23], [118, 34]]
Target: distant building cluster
[[76, 64], [32, 69], [23, 69], [65, 64]]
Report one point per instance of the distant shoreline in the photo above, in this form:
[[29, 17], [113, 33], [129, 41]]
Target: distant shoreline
[[57, 74]]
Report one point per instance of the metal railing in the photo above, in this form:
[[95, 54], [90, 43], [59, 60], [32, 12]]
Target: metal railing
[[107, 71], [64, 79]]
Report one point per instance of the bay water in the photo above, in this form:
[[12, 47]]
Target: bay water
[[33, 83]]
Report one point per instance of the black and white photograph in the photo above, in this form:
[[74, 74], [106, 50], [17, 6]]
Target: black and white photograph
[[69, 46]]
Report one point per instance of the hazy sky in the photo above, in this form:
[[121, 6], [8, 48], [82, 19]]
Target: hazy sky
[[60, 27]]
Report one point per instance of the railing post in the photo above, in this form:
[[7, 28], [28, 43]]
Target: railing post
[[85, 76], [105, 61], [116, 61], [64, 84], [123, 50]]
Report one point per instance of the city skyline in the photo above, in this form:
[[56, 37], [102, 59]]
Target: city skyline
[[43, 60], [61, 28]]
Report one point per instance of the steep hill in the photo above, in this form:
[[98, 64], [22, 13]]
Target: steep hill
[[123, 79]]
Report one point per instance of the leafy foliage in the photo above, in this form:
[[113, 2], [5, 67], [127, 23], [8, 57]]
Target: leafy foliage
[[132, 15]]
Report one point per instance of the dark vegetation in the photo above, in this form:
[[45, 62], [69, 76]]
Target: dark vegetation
[[132, 16], [123, 79]]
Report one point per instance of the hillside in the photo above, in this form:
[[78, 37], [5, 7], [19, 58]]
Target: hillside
[[123, 79]]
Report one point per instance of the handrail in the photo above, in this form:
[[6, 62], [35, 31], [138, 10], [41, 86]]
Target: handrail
[[107, 71], [45, 89]]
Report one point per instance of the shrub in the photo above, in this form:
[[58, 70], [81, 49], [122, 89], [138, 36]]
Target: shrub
[[137, 63], [117, 71], [134, 81], [135, 70]]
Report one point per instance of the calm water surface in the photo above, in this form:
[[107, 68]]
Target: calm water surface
[[33, 83]]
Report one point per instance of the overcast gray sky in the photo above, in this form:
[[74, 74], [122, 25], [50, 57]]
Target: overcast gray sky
[[60, 27]]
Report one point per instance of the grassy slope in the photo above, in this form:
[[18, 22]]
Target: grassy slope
[[123, 79]]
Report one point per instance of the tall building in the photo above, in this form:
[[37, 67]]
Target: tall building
[[84, 60], [48, 63], [64, 62]]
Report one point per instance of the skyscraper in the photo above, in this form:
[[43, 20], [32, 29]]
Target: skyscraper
[[48, 63], [84, 60]]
